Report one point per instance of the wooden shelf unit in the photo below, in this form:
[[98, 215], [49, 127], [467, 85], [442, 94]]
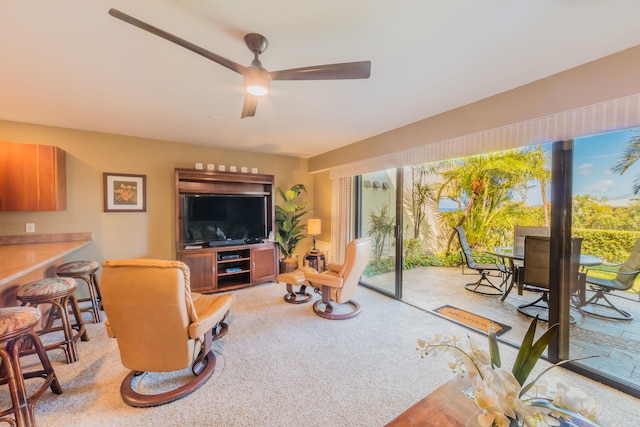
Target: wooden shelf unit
[[256, 262]]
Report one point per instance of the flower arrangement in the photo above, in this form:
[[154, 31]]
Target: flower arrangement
[[502, 395]]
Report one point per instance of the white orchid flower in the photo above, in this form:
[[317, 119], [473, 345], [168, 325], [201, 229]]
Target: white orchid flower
[[497, 391]]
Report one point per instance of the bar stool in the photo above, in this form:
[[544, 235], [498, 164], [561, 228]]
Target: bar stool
[[85, 270], [17, 326], [57, 291]]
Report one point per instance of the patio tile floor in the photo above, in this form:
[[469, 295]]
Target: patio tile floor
[[616, 343]]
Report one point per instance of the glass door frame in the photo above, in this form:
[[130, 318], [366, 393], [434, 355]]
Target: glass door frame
[[562, 196], [397, 231]]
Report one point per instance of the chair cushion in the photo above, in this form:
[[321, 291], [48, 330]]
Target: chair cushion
[[13, 319], [295, 277], [611, 284], [47, 286], [329, 278], [210, 309], [77, 267]]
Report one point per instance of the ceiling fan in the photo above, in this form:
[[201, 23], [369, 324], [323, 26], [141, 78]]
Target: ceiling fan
[[257, 80]]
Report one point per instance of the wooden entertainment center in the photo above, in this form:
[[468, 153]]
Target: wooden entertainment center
[[231, 265]]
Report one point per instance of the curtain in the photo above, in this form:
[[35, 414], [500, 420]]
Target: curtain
[[341, 216]]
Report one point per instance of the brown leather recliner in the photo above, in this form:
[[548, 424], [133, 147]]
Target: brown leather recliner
[[340, 281], [159, 325]]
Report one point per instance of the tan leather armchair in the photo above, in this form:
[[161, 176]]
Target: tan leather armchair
[[340, 281], [159, 325]]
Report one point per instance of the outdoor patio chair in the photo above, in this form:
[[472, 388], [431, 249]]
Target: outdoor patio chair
[[625, 276], [160, 326], [533, 275], [483, 285], [520, 232]]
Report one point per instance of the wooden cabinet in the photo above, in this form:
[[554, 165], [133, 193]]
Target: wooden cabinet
[[263, 263], [32, 177], [232, 267], [201, 266]]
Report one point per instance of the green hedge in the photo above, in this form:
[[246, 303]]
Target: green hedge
[[610, 245]]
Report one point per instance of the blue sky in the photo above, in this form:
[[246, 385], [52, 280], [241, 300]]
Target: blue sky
[[593, 158]]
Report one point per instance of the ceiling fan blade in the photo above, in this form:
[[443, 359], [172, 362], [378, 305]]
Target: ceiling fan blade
[[233, 66], [249, 106], [346, 70]]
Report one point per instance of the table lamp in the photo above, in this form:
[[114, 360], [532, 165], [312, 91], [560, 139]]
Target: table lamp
[[314, 226]]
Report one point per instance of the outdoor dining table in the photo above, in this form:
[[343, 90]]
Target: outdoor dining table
[[508, 254]]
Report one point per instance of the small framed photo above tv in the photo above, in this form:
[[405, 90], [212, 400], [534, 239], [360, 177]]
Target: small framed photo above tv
[[124, 192]]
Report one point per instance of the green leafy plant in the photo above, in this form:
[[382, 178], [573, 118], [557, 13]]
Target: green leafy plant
[[380, 227], [290, 229]]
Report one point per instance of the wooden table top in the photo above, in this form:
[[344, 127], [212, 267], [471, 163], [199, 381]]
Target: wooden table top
[[444, 407], [18, 260]]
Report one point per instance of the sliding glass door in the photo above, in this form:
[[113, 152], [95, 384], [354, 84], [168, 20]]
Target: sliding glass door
[[377, 218], [585, 190], [605, 215]]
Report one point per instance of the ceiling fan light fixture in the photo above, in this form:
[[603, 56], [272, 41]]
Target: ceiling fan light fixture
[[257, 81]]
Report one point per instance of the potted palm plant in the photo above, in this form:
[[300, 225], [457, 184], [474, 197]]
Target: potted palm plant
[[290, 229]]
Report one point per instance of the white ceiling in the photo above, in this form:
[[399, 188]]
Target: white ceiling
[[69, 63]]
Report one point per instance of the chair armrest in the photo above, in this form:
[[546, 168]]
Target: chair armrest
[[324, 279], [486, 257], [612, 271], [107, 326], [211, 310], [305, 269], [334, 266]]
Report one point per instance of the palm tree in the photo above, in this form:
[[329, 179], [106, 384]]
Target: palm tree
[[418, 195], [380, 226], [629, 157], [543, 180], [485, 183]]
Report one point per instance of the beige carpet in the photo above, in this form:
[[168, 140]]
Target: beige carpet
[[280, 365]]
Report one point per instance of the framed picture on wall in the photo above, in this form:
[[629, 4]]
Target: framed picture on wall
[[124, 192]]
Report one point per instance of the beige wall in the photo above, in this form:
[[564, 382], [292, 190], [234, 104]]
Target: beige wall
[[129, 235], [322, 203], [608, 78]]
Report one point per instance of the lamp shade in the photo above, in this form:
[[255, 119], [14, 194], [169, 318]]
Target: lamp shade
[[257, 81], [314, 226]]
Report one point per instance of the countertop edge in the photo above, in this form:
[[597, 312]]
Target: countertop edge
[[80, 244], [22, 239]]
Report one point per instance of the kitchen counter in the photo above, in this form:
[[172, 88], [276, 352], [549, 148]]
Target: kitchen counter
[[18, 260], [26, 262]]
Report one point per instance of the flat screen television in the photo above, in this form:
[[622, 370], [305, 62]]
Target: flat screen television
[[211, 218]]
